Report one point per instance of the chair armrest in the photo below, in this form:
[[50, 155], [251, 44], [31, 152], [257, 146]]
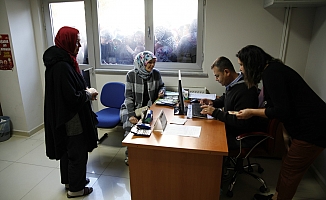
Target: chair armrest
[[245, 153], [253, 134]]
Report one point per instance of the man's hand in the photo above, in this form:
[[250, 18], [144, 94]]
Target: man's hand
[[207, 109], [206, 102]]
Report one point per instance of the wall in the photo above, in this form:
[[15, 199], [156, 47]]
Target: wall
[[315, 74], [21, 89], [301, 26], [10, 95], [39, 33]]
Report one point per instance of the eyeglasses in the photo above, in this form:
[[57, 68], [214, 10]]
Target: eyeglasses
[[78, 43]]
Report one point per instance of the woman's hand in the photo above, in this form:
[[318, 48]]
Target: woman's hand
[[133, 120], [93, 92], [244, 114]]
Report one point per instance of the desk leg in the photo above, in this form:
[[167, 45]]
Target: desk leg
[[166, 174]]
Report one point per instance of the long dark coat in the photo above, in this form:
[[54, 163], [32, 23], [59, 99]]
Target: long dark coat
[[65, 96]]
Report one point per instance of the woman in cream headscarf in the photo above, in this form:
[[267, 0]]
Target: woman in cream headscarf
[[143, 86]]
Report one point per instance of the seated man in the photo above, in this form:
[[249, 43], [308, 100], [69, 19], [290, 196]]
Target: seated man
[[237, 96]]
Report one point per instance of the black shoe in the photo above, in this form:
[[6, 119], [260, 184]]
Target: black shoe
[[263, 197], [86, 183]]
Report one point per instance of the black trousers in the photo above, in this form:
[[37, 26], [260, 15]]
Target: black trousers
[[73, 163]]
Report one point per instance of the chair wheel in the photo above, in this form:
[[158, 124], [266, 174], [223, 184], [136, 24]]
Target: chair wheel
[[260, 170], [229, 193], [262, 189]]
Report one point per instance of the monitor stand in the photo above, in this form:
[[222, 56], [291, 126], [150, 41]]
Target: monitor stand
[[178, 111]]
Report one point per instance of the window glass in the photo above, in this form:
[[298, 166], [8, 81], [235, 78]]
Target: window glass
[[175, 30], [70, 14], [121, 30]]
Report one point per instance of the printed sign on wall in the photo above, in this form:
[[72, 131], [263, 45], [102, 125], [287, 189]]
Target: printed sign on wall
[[6, 62]]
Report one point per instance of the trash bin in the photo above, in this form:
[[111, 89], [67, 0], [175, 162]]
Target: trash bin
[[4, 128]]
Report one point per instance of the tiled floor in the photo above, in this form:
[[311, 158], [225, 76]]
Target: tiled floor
[[27, 174]]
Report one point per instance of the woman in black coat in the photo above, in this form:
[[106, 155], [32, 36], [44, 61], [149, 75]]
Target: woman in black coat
[[69, 122], [290, 99]]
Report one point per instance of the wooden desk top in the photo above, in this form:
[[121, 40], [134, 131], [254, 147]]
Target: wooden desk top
[[212, 139]]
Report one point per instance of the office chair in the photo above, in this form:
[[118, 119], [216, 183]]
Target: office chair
[[265, 146], [112, 97]]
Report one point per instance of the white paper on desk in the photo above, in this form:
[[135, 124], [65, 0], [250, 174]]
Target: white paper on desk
[[190, 131], [177, 120], [202, 96]]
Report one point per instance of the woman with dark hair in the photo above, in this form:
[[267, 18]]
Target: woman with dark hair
[[69, 122], [288, 98]]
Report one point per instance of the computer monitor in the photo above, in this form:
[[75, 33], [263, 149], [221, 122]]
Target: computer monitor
[[179, 108]]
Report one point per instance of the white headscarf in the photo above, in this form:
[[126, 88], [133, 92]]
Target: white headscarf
[[140, 62]]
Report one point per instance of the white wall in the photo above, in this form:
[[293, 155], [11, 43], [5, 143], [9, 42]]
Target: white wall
[[10, 94], [21, 89], [301, 26], [316, 63], [316, 72]]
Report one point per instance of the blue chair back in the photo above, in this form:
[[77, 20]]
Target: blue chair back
[[113, 94]]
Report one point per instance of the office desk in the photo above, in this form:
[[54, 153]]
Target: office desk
[[174, 167]]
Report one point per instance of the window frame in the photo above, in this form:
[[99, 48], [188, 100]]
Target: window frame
[[93, 39], [89, 32], [149, 44]]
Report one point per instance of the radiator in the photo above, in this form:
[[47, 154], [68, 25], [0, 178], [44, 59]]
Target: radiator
[[201, 90]]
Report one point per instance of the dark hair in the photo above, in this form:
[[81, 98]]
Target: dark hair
[[223, 63], [254, 60]]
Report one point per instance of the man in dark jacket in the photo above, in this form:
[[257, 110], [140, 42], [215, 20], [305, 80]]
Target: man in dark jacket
[[236, 97]]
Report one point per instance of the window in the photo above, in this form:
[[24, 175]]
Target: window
[[70, 14], [119, 29], [167, 28], [175, 30]]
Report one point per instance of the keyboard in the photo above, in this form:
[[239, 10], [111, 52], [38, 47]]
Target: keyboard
[[136, 130], [196, 109]]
